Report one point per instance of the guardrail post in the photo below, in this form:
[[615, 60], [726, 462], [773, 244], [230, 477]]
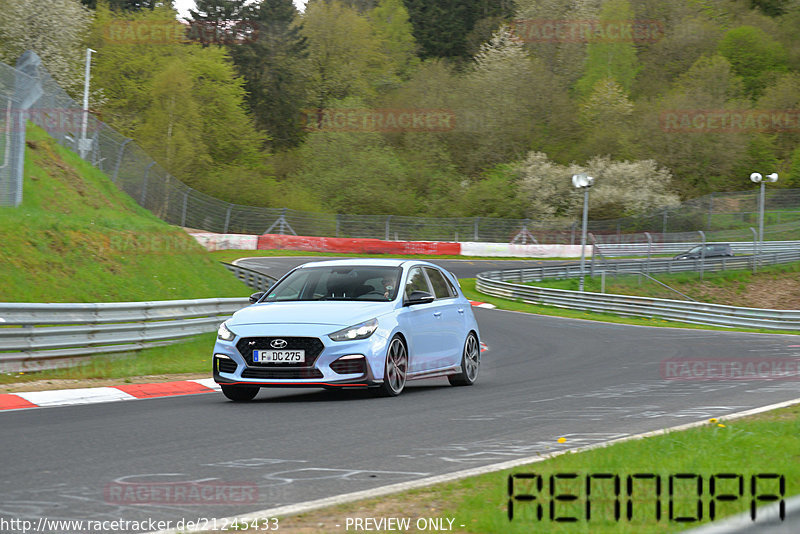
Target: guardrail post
[[144, 183], [388, 221], [119, 159], [228, 219], [702, 252], [183, 211]]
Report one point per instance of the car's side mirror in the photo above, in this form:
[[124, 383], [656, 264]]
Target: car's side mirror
[[419, 297], [255, 297]]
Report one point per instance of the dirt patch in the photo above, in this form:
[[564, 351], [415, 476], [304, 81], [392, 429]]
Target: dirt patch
[[777, 292], [57, 383]]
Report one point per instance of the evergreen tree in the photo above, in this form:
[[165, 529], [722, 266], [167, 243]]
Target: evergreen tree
[[129, 5], [218, 22], [441, 27], [272, 66]]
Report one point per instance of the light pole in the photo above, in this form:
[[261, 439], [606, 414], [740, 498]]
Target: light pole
[[758, 179], [83, 143], [583, 181]]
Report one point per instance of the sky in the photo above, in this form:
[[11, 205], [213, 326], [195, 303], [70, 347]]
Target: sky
[[183, 6]]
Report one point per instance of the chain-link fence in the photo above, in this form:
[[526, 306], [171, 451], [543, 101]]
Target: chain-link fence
[[724, 216], [18, 91]]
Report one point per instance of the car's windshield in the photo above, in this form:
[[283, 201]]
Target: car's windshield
[[362, 283]]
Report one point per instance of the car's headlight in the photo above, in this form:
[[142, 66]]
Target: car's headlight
[[359, 331], [224, 334]]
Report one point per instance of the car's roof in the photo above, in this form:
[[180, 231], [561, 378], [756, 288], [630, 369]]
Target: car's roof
[[370, 262]]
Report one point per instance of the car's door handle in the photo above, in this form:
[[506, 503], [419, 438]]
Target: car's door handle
[[437, 314], [461, 311]]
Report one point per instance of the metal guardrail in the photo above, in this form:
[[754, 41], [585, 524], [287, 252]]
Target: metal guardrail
[[621, 267], [500, 284], [738, 247], [254, 279], [45, 336]]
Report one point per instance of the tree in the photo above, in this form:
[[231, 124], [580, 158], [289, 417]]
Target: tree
[[607, 58], [606, 116], [169, 132], [345, 57], [754, 56], [701, 161], [273, 65], [391, 25], [129, 5], [505, 103], [441, 27], [29, 25], [621, 187], [217, 22], [773, 8]]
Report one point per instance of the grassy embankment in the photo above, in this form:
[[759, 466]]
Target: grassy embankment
[[77, 238]]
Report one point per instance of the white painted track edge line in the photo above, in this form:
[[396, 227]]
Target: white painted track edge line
[[308, 506]]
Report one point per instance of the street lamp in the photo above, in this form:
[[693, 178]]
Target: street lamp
[[83, 143], [583, 181], [758, 179]]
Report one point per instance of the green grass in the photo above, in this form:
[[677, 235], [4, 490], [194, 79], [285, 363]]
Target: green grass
[[190, 356], [735, 281], [765, 443], [77, 238], [468, 287]]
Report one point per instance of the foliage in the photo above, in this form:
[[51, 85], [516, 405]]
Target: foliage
[[273, 65], [345, 60], [29, 25], [608, 59], [621, 187], [754, 56]]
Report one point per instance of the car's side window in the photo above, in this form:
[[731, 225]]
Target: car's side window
[[440, 288], [416, 282]]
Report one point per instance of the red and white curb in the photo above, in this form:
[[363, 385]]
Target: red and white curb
[[66, 397], [482, 304]]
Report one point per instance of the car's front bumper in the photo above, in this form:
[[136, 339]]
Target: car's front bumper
[[317, 374]]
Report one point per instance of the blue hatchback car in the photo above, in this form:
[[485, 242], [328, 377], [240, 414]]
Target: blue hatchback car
[[350, 324]]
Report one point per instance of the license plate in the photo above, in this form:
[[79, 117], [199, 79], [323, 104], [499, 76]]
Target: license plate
[[279, 356]]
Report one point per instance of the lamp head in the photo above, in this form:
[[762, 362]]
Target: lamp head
[[756, 178], [773, 177], [582, 180]]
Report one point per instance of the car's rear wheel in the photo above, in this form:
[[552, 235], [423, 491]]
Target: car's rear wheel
[[240, 393], [470, 363], [396, 369]]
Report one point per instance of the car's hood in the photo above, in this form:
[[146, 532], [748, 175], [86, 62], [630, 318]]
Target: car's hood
[[316, 312]]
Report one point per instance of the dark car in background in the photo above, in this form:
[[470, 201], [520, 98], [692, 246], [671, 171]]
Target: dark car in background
[[715, 250]]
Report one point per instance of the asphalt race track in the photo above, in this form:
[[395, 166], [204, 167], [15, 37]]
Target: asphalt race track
[[542, 378]]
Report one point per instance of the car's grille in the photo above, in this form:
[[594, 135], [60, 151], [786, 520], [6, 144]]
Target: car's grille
[[346, 367], [311, 345], [225, 365], [272, 372]]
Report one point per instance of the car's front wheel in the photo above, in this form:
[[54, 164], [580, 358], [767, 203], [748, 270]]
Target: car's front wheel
[[470, 363], [240, 393], [396, 369]]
